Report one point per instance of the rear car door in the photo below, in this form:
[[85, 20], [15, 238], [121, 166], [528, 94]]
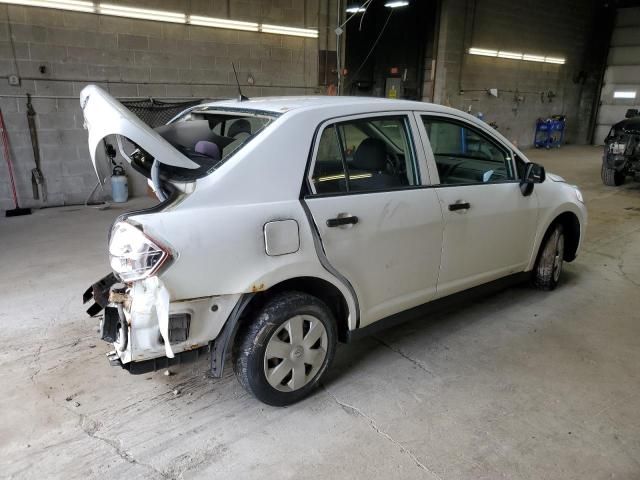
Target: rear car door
[[489, 226], [381, 230]]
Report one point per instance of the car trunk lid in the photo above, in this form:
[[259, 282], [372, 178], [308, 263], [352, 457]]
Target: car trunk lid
[[105, 116]]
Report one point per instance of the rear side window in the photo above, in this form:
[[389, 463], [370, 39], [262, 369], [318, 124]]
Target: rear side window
[[463, 155], [364, 155]]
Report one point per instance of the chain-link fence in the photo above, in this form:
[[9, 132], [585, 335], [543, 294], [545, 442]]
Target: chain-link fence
[[155, 112]]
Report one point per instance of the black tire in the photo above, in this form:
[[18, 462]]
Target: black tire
[[611, 177], [251, 362], [548, 267]]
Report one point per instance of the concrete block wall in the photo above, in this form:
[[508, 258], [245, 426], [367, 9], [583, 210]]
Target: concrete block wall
[[135, 58], [561, 29]]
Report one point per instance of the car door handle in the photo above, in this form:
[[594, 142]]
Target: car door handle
[[459, 206], [339, 221]]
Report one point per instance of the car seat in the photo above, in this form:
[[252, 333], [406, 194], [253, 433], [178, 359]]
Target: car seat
[[371, 157], [239, 129]]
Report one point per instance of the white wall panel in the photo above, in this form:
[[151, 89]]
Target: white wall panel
[[622, 73]]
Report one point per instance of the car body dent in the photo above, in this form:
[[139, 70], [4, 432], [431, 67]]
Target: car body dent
[[239, 264], [145, 339]]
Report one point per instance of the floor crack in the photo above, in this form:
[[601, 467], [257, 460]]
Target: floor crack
[[90, 428], [417, 363], [36, 356], [374, 425]]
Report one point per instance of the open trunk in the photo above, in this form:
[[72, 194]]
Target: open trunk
[[191, 146]]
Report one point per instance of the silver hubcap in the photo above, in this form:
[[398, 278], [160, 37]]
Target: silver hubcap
[[295, 353]]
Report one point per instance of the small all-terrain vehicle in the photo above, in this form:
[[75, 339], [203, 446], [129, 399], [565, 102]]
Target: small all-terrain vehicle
[[621, 157]]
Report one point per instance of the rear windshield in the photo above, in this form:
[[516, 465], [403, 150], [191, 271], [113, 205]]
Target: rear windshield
[[207, 136]]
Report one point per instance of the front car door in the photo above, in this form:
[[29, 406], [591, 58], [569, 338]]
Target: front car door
[[380, 229], [489, 225]]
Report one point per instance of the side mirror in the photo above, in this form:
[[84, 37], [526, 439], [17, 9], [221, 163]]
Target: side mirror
[[533, 173]]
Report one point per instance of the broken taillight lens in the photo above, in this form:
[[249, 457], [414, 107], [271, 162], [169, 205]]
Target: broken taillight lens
[[133, 255]]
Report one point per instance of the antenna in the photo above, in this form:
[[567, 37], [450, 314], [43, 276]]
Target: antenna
[[241, 97]]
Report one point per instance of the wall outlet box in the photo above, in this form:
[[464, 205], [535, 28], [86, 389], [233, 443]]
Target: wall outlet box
[[14, 80]]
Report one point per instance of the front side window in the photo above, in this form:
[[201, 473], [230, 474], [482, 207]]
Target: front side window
[[364, 155], [463, 155], [520, 167]]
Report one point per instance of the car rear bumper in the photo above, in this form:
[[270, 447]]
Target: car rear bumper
[[131, 324]]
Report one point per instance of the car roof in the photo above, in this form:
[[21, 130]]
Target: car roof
[[336, 106], [286, 104]]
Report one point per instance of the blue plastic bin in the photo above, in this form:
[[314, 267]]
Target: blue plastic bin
[[550, 132]]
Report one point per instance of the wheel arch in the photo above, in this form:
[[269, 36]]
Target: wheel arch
[[250, 303], [319, 288], [571, 226]]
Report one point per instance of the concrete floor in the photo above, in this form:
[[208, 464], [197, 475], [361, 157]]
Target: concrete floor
[[524, 385]]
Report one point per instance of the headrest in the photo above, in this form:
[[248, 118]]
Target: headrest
[[209, 149], [371, 154], [239, 126], [189, 132]]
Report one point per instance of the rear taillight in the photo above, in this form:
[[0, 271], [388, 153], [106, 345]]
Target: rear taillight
[[133, 255]]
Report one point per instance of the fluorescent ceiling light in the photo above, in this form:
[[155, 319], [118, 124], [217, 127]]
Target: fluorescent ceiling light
[[75, 5], [355, 9], [483, 51], [223, 23], [296, 32], [143, 13], [163, 16], [516, 56], [559, 61], [533, 58], [624, 94], [396, 4], [511, 55]]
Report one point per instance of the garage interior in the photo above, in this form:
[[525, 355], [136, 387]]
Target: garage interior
[[523, 384]]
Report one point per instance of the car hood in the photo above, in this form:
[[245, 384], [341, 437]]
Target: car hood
[[104, 115], [629, 126], [555, 178]]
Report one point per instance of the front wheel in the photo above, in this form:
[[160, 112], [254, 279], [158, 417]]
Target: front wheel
[[611, 177], [546, 273], [281, 355]]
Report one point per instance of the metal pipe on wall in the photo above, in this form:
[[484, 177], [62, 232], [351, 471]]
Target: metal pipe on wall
[[338, 49]]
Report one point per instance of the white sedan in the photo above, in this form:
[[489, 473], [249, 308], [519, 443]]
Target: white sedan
[[289, 224]]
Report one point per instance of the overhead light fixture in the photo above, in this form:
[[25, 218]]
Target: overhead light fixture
[[163, 16], [223, 23], [355, 9], [142, 13], [533, 58], [296, 32], [559, 61], [74, 5], [624, 94], [396, 3], [484, 52], [510, 55], [516, 56]]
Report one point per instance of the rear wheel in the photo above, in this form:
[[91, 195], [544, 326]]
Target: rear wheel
[[611, 177], [546, 273], [282, 354]]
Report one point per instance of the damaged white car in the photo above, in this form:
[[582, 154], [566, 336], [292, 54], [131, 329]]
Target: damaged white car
[[289, 224]]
